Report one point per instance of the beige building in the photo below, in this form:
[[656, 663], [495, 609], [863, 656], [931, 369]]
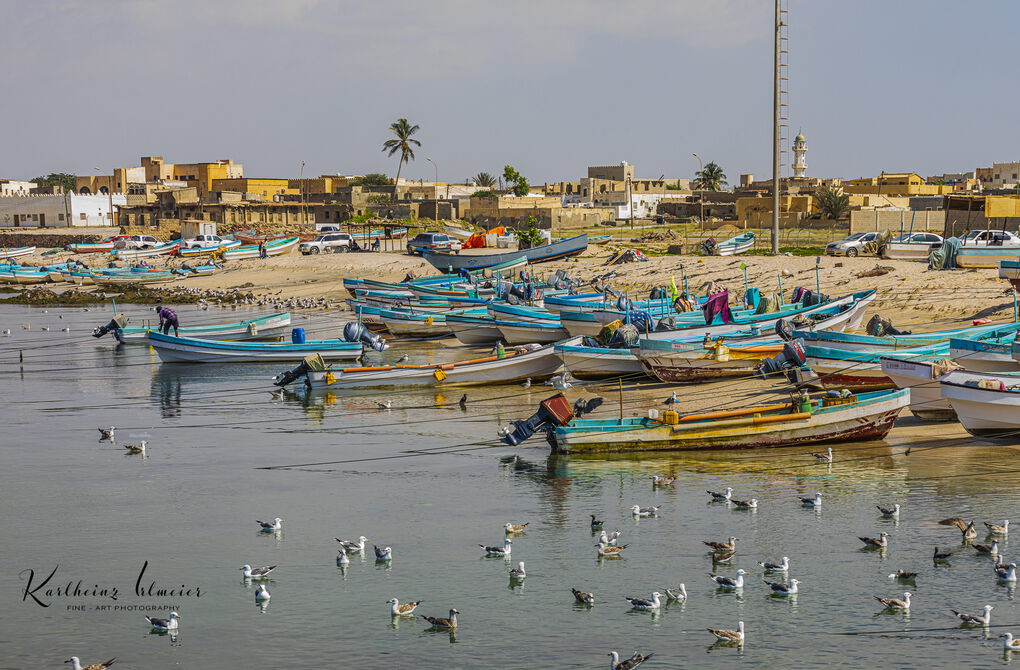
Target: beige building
[[897, 183], [1000, 175], [154, 169]]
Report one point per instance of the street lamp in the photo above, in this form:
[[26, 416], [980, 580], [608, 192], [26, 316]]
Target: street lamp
[[435, 186], [109, 193], [701, 198]]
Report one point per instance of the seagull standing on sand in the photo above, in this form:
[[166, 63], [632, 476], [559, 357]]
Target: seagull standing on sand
[[729, 635], [889, 512], [526, 383], [628, 664], [353, 547], [498, 551], [402, 359], [673, 399], [463, 401], [165, 624], [383, 553], [980, 619], [76, 664], [518, 572], [396, 609], [256, 573], [784, 566], [262, 594], [896, 603], [812, 502], [736, 582], [645, 604], [268, 527], [637, 510], [106, 434], [386, 404]]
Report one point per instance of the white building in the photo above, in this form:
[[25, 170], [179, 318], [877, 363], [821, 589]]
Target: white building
[[9, 187], [799, 156], [59, 211], [1000, 175], [644, 205]]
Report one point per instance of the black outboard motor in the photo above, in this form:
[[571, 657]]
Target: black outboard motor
[[552, 412], [792, 357], [356, 332], [116, 323], [784, 330], [658, 293], [288, 377], [878, 326]]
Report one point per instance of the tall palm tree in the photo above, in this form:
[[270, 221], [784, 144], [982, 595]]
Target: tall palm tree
[[710, 178], [485, 180], [402, 143]]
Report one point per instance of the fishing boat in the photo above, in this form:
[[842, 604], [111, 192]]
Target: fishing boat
[[911, 246], [455, 231], [695, 362], [91, 247], [273, 248], [16, 251], [600, 239], [860, 342], [921, 378], [391, 234], [517, 364], [584, 362], [198, 270], [258, 328], [525, 332], [867, 416], [193, 350], [1010, 269], [24, 276], [504, 269], [986, 257], [405, 323], [207, 251], [570, 246], [508, 312], [985, 354], [987, 404], [158, 250], [473, 330], [860, 370], [735, 245]]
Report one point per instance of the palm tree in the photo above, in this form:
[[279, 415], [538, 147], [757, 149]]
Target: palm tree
[[832, 201], [710, 178], [485, 180], [403, 142]]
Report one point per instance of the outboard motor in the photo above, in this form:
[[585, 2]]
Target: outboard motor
[[288, 377], [667, 323], [553, 411], [356, 332], [784, 330], [792, 357], [116, 323], [657, 293], [623, 303], [878, 326]]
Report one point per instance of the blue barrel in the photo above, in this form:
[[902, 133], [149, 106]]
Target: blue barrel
[[297, 336]]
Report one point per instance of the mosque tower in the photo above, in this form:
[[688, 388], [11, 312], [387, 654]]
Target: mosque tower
[[799, 156]]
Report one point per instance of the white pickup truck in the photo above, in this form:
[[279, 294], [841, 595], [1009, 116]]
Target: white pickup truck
[[203, 242]]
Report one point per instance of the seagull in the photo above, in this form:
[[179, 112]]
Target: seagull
[[998, 530], [353, 547], [722, 557], [1009, 643], [342, 559], [745, 504], [662, 480], [1006, 574], [903, 575], [889, 512], [406, 609], [637, 510], [609, 538], [729, 582], [731, 545], [824, 458], [402, 359], [644, 604], [968, 530], [982, 619], [262, 594], [679, 594], [386, 404], [673, 399], [881, 542], [780, 589], [628, 664], [896, 603], [518, 572], [463, 401], [559, 382], [256, 573], [730, 635], [604, 550], [514, 527], [526, 383], [582, 597], [438, 622], [991, 550], [277, 395], [596, 523], [136, 448], [776, 567], [76, 664], [164, 624], [941, 555], [106, 433], [383, 554], [812, 502], [498, 551], [269, 527], [721, 496]]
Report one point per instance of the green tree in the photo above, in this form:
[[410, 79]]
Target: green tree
[[485, 180], [57, 179], [832, 201], [515, 181], [403, 142], [529, 237], [484, 194], [371, 179], [710, 178]]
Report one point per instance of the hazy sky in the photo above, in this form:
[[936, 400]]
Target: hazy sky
[[549, 86]]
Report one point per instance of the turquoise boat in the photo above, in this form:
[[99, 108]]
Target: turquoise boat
[[857, 342], [259, 328], [172, 349]]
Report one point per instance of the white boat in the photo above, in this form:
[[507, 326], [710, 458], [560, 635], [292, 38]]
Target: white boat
[[24, 276], [922, 378], [274, 248], [984, 355], [911, 246], [597, 362], [192, 350], [16, 251], [205, 251], [735, 245], [460, 233], [161, 250], [987, 405], [473, 330], [257, 328], [523, 332]]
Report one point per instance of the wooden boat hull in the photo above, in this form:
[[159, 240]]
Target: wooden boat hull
[[870, 418], [987, 413], [259, 328], [921, 378], [695, 363], [596, 362], [190, 350], [857, 376], [548, 252]]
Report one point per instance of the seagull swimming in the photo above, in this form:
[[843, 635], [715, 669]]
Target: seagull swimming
[[662, 480], [990, 550], [637, 510], [981, 619], [721, 495], [628, 664], [781, 589], [596, 523], [518, 572], [262, 594], [106, 433], [353, 547], [812, 502], [164, 624], [824, 458], [498, 551], [1006, 574], [679, 593], [605, 550], [609, 538], [722, 556], [267, 527], [941, 555], [729, 635], [645, 604], [889, 512], [76, 664], [406, 609], [881, 542], [257, 573], [729, 582], [582, 597], [1009, 643], [723, 546], [386, 404], [342, 558], [745, 504], [136, 448], [903, 575], [514, 527], [968, 530], [776, 567], [438, 622], [998, 530], [383, 553], [896, 603]]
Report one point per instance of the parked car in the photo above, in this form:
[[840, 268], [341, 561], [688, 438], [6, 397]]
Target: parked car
[[323, 228], [990, 238], [203, 242], [851, 246], [433, 242], [135, 242], [328, 243]]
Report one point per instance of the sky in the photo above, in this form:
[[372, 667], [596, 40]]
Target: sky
[[549, 86]]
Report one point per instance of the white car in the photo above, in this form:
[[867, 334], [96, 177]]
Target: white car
[[203, 242], [990, 238], [850, 246], [328, 243], [135, 242]]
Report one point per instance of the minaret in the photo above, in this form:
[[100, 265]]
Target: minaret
[[799, 156]]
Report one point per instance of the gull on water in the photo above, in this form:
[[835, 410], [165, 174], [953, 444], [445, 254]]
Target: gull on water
[[663, 480], [998, 530], [889, 512], [721, 495], [824, 457], [729, 635], [745, 504], [261, 594], [903, 575], [385, 404], [498, 551], [989, 549], [941, 555], [164, 624], [638, 510], [776, 567], [396, 609], [627, 664], [583, 597], [609, 538], [136, 448], [106, 433], [596, 523], [729, 582], [722, 556], [342, 558], [816, 501], [277, 524], [896, 603], [980, 619], [968, 529], [645, 604], [257, 573], [781, 589], [76, 664], [353, 547], [439, 622], [731, 545], [518, 572], [881, 542], [1009, 643], [606, 550], [383, 553], [1006, 574], [514, 527], [679, 593]]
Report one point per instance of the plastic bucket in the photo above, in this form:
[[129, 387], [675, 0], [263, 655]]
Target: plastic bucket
[[297, 336]]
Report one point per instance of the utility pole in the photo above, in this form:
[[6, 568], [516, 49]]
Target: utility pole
[[701, 198], [630, 203], [775, 129]]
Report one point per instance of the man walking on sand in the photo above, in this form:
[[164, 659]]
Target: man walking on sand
[[167, 318]]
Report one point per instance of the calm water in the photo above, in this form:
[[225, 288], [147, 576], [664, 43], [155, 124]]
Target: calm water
[[430, 483]]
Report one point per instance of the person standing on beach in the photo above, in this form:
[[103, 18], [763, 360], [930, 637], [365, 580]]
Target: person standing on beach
[[167, 318], [262, 249]]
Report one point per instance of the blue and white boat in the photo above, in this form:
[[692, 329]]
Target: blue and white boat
[[586, 362], [258, 328], [525, 332], [859, 342], [193, 350]]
